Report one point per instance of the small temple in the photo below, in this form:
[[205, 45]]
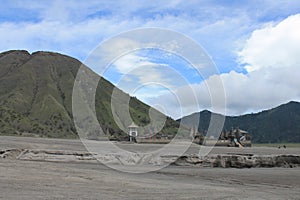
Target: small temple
[[132, 131]]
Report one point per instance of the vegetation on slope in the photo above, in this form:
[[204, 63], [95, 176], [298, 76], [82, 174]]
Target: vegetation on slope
[[36, 97], [277, 125]]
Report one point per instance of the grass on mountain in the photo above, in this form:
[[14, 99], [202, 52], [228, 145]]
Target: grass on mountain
[[36, 97]]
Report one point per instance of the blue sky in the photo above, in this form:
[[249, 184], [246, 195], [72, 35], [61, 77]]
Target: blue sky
[[252, 43]]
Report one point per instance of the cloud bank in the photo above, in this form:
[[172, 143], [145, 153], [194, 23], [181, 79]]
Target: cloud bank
[[272, 62]]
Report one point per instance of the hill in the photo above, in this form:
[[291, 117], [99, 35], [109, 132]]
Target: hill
[[36, 97], [280, 124]]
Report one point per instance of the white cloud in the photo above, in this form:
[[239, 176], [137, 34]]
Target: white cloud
[[61, 26], [273, 46], [129, 62], [272, 61], [273, 64], [141, 72]]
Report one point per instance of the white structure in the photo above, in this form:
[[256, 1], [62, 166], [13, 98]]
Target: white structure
[[133, 131]]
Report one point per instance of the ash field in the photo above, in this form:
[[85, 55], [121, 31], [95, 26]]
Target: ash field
[[38, 168]]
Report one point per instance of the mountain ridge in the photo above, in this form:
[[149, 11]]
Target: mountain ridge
[[275, 125]]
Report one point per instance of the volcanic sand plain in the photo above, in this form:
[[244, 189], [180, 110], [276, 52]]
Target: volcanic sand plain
[[32, 179]]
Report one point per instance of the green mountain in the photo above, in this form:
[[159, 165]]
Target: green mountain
[[36, 97], [280, 124]]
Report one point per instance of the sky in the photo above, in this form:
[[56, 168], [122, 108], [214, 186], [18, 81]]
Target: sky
[[254, 45]]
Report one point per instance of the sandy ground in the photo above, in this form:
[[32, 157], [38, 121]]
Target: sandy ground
[[21, 179]]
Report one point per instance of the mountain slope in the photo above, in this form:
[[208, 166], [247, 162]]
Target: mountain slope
[[36, 97], [280, 124]]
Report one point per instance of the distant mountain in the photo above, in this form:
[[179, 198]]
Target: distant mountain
[[36, 97], [280, 124]]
